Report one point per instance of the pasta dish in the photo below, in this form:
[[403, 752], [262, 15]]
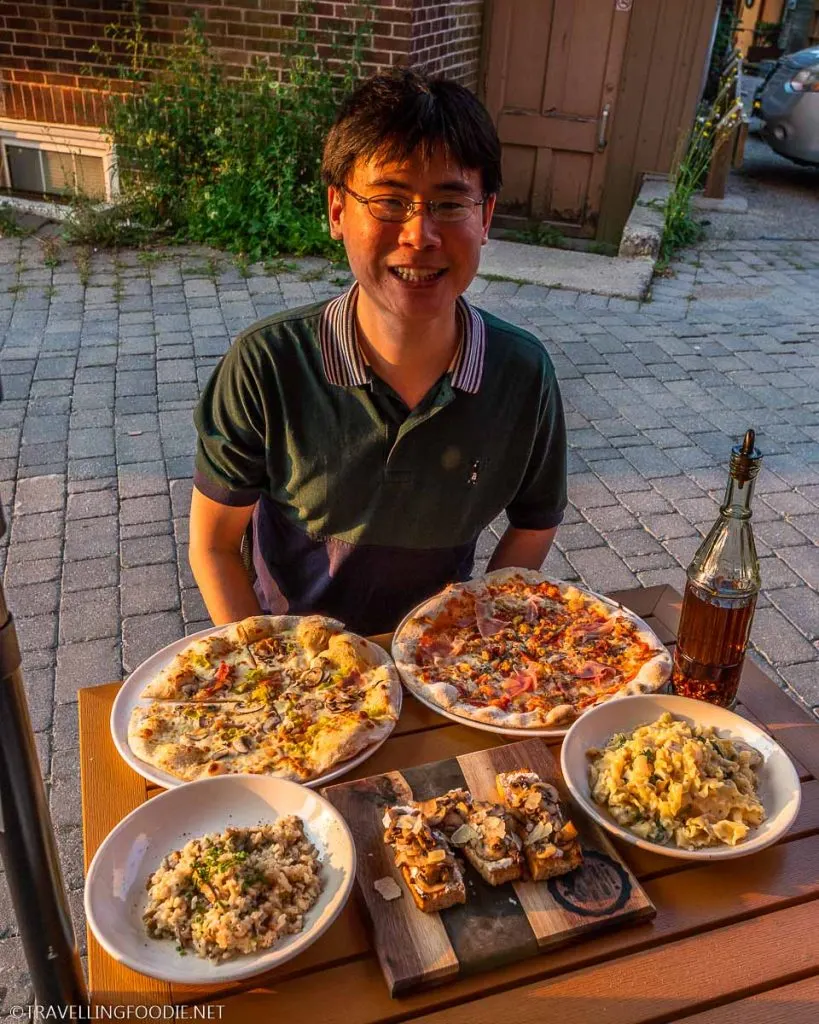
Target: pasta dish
[[672, 784]]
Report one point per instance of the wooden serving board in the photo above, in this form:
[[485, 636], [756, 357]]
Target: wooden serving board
[[498, 924]]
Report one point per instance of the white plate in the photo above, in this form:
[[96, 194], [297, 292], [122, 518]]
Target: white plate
[[779, 788], [505, 730], [128, 698], [115, 894]]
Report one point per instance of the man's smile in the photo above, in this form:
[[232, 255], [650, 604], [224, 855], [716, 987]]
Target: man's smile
[[417, 275]]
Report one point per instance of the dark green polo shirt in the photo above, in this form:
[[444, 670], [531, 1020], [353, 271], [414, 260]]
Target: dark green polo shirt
[[363, 507]]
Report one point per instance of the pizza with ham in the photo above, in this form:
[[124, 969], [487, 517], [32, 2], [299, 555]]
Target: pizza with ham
[[275, 695], [518, 650]]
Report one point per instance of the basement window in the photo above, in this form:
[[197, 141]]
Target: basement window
[[52, 173], [55, 161]]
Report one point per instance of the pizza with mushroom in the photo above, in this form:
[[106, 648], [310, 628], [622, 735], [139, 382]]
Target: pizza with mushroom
[[274, 695]]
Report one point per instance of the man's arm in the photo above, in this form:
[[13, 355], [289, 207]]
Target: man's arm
[[215, 559], [523, 549]]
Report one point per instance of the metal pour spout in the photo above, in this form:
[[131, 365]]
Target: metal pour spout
[[746, 459]]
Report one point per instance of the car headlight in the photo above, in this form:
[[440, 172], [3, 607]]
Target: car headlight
[[806, 80]]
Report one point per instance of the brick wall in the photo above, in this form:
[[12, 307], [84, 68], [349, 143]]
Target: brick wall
[[48, 71], [446, 38]]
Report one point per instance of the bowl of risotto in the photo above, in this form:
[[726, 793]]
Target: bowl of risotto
[[680, 777], [220, 879]]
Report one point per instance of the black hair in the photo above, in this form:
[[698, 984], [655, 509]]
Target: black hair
[[396, 114]]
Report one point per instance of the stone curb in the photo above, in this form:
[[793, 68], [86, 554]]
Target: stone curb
[[643, 232]]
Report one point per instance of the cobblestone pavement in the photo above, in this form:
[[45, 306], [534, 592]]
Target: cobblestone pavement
[[103, 358]]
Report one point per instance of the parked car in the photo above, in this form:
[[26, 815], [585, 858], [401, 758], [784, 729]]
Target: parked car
[[787, 103]]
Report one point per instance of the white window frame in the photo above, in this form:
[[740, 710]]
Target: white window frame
[[60, 138]]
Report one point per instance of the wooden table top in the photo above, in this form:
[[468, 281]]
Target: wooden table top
[[733, 941]]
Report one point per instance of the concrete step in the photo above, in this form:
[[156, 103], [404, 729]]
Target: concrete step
[[566, 268]]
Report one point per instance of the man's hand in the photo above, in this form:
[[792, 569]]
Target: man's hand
[[522, 549], [215, 559]]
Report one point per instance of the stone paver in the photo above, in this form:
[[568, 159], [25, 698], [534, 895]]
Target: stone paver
[[97, 444]]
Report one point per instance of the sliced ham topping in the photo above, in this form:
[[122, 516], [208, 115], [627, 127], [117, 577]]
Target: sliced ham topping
[[600, 629], [532, 612], [488, 625], [521, 682], [458, 645], [432, 647], [594, 670]]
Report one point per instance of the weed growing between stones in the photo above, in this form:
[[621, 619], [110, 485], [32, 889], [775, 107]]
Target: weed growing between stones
[[9, 227], [690, 167]]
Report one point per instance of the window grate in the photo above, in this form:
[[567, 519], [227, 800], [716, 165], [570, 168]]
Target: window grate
[[51, 172]]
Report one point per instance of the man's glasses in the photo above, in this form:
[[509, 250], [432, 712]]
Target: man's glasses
[[397, 210]]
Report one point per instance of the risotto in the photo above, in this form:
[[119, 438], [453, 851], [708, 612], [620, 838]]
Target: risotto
[[235, 892], [669, 783]]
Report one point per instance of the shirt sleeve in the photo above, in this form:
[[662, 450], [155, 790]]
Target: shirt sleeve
[[541, 499], [231, 467]]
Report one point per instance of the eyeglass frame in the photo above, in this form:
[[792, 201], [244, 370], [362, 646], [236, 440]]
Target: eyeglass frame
[[413, 206]]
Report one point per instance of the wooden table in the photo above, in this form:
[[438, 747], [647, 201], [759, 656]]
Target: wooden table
[[733, 941]]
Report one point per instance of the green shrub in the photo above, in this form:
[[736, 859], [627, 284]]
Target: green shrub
[[224, 162]]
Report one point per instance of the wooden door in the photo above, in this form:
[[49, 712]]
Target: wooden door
[[551, 72]]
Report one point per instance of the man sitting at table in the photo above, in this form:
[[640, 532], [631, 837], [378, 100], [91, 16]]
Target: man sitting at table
[[373, 437]]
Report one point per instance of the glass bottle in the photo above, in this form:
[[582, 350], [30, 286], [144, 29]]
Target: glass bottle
[[720, 593]]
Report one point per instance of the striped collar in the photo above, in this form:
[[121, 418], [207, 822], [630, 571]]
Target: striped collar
[[344, 362]]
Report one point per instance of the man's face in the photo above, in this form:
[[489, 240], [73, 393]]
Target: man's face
[[416, 270]]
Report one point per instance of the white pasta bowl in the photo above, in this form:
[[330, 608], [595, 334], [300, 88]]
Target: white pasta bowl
[[779, 789], [115, 893]]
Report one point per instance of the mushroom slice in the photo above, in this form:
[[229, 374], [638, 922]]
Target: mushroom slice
[[542, 830]]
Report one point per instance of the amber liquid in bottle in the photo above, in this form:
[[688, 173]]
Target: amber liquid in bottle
[[709, 663], [721, 592]]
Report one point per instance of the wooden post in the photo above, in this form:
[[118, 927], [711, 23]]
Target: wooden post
[[739, 145], [719, 168]]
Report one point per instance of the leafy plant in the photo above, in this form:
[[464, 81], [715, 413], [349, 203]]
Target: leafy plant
[[9, 228], [82, 259], [279, 266], [233, 164], [539, 234], [766, 33], [51, 253], [690, 167], [91, 224], [150, 257]]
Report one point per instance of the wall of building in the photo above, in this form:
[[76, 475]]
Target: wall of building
[[446, 38], [750, 17], [49, 72], [663, 74]]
